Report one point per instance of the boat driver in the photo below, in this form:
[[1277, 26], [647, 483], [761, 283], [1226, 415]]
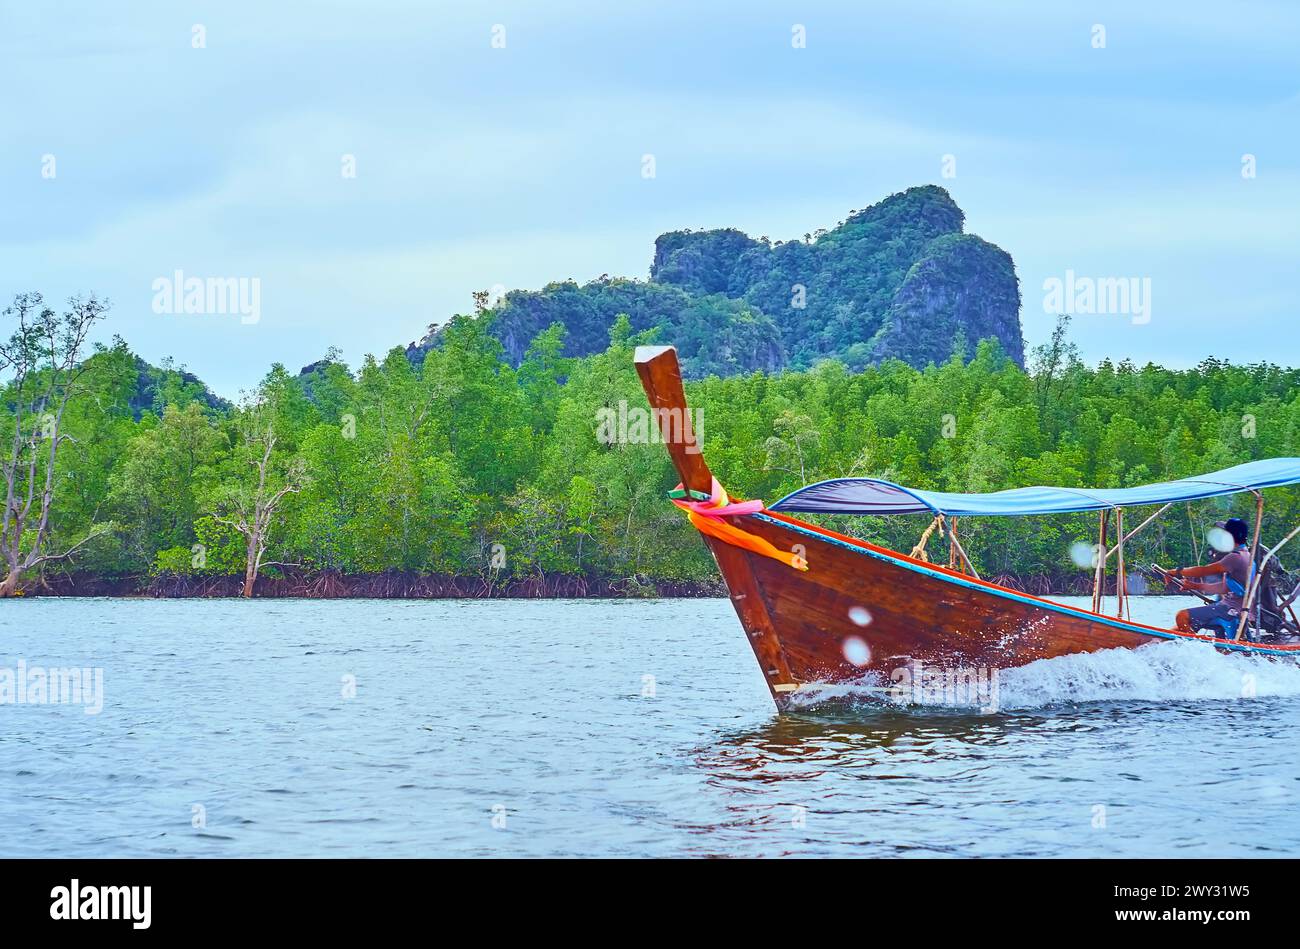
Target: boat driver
[[1227, 577]]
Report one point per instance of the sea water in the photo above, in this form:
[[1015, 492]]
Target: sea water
[[606, 728]]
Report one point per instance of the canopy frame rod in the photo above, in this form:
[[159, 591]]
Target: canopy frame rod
[[1256, 569], [952, 539], [1135, 530], [1100, 575]]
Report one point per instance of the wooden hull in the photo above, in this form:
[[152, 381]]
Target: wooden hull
[[810, 626], [905, 611]]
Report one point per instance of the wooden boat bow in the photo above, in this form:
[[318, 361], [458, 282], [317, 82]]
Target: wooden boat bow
[[862, 610]]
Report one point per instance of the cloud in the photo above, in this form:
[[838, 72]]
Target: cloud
[[477, 166]]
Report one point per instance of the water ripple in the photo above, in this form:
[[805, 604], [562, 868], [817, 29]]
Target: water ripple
[[609, 728]]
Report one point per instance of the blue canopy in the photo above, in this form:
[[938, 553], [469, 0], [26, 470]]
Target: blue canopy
[[873, 496]]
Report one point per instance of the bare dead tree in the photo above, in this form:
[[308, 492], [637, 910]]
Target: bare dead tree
[[43, 365], [785, 451], [250, 506]]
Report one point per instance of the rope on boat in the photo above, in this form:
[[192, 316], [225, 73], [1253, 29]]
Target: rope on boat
[[918, 552], [707, 517]]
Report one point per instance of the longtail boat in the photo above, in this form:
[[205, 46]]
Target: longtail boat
[[820, 607]]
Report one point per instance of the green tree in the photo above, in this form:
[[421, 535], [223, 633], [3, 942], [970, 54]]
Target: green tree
[[43, 364]]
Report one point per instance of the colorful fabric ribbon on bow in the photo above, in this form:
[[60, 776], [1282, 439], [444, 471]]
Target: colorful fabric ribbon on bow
[[707, 516]]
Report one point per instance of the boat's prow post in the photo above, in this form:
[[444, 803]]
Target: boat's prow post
[[661, 376]]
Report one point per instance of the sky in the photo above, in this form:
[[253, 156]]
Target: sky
[[499, 144]]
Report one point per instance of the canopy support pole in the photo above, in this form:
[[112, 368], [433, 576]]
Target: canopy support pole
[[1135, 530], [1100, 575], [1256, 569], [952, 537], [1121, 579], [1255, 580]]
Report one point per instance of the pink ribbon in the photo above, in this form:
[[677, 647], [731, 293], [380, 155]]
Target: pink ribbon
[[719, 505]]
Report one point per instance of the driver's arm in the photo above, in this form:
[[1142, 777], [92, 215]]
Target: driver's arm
[[1209, 570]]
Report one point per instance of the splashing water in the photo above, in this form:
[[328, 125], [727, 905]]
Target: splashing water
[[1171, 671]]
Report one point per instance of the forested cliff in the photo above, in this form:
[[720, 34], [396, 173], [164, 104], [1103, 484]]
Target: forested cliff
[[898, 280]]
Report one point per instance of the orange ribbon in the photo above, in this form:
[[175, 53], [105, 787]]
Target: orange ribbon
[[707, 518]]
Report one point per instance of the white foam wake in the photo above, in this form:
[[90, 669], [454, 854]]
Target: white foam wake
[[1169, 671]]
